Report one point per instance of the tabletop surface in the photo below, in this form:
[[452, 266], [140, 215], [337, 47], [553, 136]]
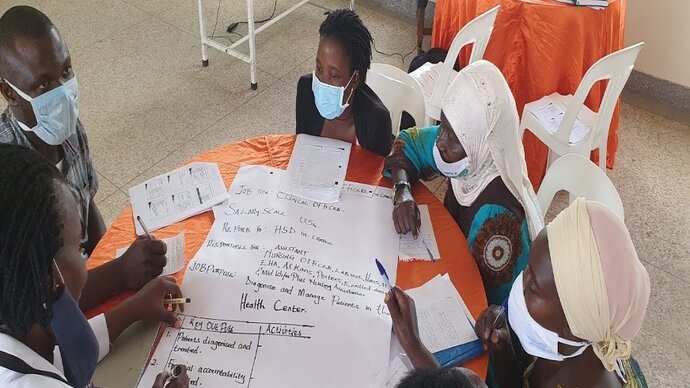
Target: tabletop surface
[[121, 368]]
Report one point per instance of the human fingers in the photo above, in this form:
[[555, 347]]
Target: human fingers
[[406, 218], [391, 301], [182, 381], [414, 222], [397, 221], [403, 300], [155, 246], [161, 378]]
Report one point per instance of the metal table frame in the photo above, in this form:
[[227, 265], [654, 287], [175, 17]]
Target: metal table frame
[[250, 37]]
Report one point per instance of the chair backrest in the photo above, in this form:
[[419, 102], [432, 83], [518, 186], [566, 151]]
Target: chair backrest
[[399, 93], [581, 178], [477, 32], [616, 68]]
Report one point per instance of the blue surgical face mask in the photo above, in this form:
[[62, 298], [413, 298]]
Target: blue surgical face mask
[[329, 98], [56, 112], [75, 338]]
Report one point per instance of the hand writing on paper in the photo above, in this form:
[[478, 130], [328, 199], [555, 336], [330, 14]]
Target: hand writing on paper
[[143, 261], [148, 305], [492, 329], [182, 381], [406, 217], [404, 315]]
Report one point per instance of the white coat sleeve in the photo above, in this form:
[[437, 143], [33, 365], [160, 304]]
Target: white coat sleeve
[[100, 329]]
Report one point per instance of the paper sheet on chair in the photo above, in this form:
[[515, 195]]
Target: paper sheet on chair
[[551, 112], [444, 319], [317, 168], [177, 195], [175, 254], [424, 247]]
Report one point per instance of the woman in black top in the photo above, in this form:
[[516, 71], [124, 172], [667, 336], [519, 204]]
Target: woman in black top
[[344, 108]]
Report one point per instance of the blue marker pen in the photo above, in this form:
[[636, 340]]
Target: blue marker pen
[[502, 310], [384, 275]]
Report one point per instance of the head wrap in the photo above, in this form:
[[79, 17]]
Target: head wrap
[[481, 109], [602, 285]]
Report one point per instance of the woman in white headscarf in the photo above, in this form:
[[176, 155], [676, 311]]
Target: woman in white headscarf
[[575, 309], [478, 148], [572, 313]]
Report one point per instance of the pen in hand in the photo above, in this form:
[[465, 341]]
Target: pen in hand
[[146, 231], [177, 300], [501, 311], [384, 275]]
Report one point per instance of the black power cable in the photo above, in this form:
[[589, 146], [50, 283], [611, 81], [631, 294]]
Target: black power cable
[[234, 25], [403, 57], [231, 28]]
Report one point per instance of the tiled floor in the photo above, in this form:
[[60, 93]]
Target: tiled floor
[[148, 105]]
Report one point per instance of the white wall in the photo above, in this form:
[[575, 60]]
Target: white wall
[[664, 26]]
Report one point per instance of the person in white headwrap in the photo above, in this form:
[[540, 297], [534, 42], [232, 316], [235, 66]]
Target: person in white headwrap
[[575, 308], [490, 196]]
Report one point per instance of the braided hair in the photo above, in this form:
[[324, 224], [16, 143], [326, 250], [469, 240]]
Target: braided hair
[[30, 237], [347, 28]]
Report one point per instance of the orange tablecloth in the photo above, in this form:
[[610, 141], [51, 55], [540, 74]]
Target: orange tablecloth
[[541, 46], [364, 167]]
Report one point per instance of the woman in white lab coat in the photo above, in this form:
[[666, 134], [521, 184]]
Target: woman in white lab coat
[[45, 340]]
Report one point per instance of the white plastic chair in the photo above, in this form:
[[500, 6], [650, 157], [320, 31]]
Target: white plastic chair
[[580, 177], [434, 79], [616, 68], [398, 92]]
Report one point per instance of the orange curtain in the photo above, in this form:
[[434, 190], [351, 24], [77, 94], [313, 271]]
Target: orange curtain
[[541, 46]]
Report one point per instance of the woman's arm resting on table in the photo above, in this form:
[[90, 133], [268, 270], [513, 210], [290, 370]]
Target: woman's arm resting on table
[[405, 211], [492, 328], [411, 158], [404, 316]]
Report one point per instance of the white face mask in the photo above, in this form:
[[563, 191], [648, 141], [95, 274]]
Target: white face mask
[[457, 169], [56, 112], [535, 339]]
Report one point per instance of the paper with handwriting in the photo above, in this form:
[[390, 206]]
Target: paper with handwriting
[[286, 291]]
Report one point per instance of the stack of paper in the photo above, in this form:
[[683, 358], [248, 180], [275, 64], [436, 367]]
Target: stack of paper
[[550, 111], [177, 195], [444, 319], [424, 247], [317, 168]]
